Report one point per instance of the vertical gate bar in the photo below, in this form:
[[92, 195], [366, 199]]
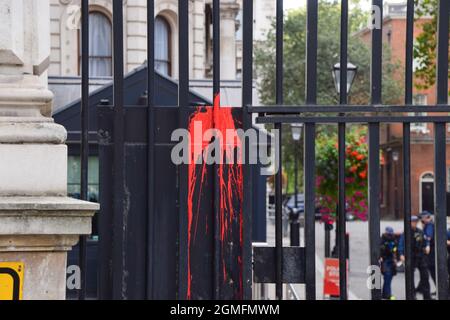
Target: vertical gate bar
[[279, 217], [247, 100], [440, 207], [309, 149], [279, 52], [374, 145], [279, 174], [440, 144], [119, 154], [409, 274], [341, 219], [344, 53], [377, 56], [295, 225], [183, 104], [409, 64], [84, 135], [216, 100], [151, 145], [310, 207], [442, 52], [374, 199]]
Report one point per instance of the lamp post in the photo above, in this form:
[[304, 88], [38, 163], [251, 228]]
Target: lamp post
[[395, 158], [351, 75], [297, 130]]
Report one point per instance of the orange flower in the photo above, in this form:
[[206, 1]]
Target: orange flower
[[353, 169], [355, 153], [363, 174], [360, 157]]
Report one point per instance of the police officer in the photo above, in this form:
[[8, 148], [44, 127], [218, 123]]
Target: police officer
[[418, 256], [388, 261], [428, 233]]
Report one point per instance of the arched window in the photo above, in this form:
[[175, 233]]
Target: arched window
[[100, 45], [162, 46], [426, 200]]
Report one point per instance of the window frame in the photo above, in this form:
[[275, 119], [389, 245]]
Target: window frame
[[417, 126], [110, 58], [169, 44]]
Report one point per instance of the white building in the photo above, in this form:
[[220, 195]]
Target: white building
[[64, 68]]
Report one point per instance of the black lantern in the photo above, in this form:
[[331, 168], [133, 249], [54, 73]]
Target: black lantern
[[351, 75], [297, 130]]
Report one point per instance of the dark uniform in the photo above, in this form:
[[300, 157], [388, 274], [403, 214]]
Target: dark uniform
[[428, 231], [419, 260], [448, 257], [388, 252]]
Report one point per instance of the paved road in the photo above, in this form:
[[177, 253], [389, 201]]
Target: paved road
[[359, 260]]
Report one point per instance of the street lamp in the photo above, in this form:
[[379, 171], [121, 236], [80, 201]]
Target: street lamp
[[351, 75], [297, 130], [395, 156]]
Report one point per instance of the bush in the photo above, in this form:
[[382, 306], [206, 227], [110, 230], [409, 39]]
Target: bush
[[356, 168]]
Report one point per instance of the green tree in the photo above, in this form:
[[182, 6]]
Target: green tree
[[425, 44], [356, 167], [327, 56]]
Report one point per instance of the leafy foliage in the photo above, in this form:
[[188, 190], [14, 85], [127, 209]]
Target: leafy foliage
[[426, 44], [327, 56], [355, 173]]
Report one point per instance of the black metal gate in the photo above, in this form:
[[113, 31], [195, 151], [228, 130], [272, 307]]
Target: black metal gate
[[163, 268], [148, 247]]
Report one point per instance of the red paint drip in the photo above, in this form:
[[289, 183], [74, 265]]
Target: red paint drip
[[230, 180], [196, 149]]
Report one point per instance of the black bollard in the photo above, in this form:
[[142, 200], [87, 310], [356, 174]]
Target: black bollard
[[328, 227], [295, 227]]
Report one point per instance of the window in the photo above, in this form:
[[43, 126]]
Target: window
[[74, 184], [162, 46], [420, 100], [74, 178], [100, 45], [426, 192], [208, 40], [448, 179]]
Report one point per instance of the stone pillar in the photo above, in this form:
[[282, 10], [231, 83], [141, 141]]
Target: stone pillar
[[136, 33], [38, 222], [228, 12]]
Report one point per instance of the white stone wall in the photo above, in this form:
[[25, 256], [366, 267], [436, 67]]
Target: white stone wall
[[264, 12], [135, 33], [64, 39], [24, 40]]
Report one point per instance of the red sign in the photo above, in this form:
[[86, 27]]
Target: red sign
[[331, 278]]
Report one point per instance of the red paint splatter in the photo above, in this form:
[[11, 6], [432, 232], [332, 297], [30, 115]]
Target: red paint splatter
[[230, 180]]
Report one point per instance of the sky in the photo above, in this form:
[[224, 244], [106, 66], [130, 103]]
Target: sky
[[365, 4]]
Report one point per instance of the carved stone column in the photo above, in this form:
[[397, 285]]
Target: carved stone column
[[228, 12], [38, 222]]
